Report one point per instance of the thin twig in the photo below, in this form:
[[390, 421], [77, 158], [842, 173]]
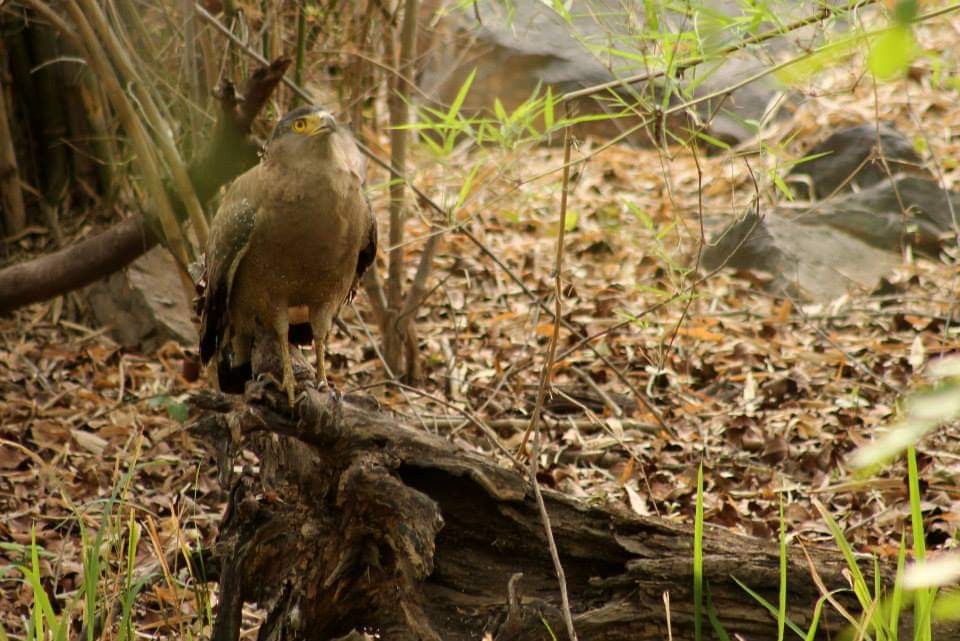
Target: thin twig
[[386, 366], [592, 384], [473, 418], [542, 391]]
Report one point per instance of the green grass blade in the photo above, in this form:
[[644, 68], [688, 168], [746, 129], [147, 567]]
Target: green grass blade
[[42, 611], [815, 619], [782, 611], [698, 559], [91, 577], [916, 515], [772, 609], [860, 587], [896, 599], [923, 601], [718, 628]]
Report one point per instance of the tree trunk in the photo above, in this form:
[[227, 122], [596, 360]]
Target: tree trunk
[[354, 521]]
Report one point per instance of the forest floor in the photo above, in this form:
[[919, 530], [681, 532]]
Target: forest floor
[[770, 394]]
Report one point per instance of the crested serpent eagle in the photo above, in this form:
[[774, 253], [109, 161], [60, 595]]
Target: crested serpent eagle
[[296, 231]]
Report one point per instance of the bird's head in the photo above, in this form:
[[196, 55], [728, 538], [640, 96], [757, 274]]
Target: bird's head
[[301, 130]]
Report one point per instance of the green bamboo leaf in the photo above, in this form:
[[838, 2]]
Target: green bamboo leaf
[[465, 189], [892, 443], [943, 570], [500, 111], [892, 52], [457, 103], [938, 404], [946, 367], [905, 11], [562, 8]]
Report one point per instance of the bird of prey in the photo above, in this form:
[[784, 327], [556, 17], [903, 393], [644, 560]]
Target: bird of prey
[[294, 231]]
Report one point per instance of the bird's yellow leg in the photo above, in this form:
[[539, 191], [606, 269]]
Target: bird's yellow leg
[[319, 347], [320, 324], [281, 326]]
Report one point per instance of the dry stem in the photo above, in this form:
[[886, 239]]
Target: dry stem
[[545, 376]]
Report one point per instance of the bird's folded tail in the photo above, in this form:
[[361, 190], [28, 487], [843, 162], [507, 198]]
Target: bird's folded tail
[[232, 380]]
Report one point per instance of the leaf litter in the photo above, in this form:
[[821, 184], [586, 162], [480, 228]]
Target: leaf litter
[[770, 394]]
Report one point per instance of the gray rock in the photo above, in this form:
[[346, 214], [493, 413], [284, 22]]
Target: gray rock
[[523, 46], [807, 262], [852, 158], [144, 305], [841, 244]]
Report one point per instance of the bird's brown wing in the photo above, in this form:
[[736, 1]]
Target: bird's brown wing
[[368, 253], [357, 163], [229, 239]]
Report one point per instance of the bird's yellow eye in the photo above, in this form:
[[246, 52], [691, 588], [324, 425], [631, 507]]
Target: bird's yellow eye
[[300, 125]]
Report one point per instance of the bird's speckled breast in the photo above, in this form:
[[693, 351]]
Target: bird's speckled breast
[[305, 242]]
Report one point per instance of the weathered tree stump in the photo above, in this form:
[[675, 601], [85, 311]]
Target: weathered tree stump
[[355, 522]]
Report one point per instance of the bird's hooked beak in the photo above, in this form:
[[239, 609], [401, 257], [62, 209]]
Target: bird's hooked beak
[[320, 123]]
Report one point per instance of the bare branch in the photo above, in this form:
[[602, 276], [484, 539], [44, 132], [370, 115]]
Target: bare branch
[[545, 376]]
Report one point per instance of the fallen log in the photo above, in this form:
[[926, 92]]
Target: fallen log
[[353, 523]]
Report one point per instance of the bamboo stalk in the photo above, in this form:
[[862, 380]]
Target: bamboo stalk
[[158, 123], [11, 196], [301, 49], [50, 119], [193, 75], [393, 329], [358, 75], [104, 148], [146, 158]]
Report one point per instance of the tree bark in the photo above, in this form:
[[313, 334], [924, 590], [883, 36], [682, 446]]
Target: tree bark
[[356, 522], [230, 152]]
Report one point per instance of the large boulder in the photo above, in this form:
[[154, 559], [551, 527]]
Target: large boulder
[[520, 47], [853, 158], [820, 250]]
